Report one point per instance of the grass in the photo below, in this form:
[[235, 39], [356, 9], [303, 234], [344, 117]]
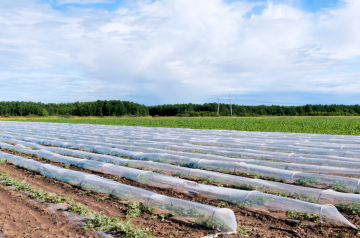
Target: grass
[[319, 125]]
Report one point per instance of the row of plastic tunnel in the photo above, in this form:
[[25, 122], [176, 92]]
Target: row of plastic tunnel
[[189, 163]]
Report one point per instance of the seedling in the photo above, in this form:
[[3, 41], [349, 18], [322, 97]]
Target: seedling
[[103, 198], [86, 192], [79, 209], [303, 216], [339, 186], [152, 216], [164, 216], [243, 230], [126, 229], [222, 204], [117, 178], [134, 209]]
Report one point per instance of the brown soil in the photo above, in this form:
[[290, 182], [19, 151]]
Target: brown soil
[[19, 217], [259, 224]]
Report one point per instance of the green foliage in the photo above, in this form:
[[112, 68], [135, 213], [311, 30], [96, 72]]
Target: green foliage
[[244, 186], [309, 181], [98, 108], [66, 166], [116, 178], [126, 229], [255, 202], [134, 209], [243, 230], [222, 204], [103, 198], [78, 208], [303, 216], [164, 216], [354, 207], [101, 222], [339, 186]]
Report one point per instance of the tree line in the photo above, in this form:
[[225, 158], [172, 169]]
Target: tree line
[[126, 108], [210, 109], [97, 108]]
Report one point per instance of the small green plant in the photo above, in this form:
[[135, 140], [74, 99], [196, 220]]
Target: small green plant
[[78, 208], [243, 230], [303, 216], [101, 222], [222, 204], [66, 166], [309, 181], [339, 186], [164, 216], [103, 198], [152, 216], [255, 202], [244, 186], [86, 192], [117, 178], [134, 209], [54, 182]]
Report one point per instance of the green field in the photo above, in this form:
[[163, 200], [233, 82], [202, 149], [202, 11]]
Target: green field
[[319, 125]]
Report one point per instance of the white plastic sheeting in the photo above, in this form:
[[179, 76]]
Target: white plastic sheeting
[[221, 219], [343, 184], [319, 196], [248, 199]]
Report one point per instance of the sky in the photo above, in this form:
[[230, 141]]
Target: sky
[[283, 52]]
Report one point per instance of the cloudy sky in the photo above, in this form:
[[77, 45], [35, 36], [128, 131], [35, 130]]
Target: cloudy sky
[[179, 51]]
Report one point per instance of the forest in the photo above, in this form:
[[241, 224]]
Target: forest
[[96, 108], [210, 109], [126, 108]]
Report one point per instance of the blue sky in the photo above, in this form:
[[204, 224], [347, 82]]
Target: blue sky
[[287, 52]]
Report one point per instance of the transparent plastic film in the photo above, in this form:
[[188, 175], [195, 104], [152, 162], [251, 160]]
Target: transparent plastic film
[[221, 219], [224, 220]]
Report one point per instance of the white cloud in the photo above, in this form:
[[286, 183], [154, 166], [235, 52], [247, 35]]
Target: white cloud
[[61, 2], [178, 50]]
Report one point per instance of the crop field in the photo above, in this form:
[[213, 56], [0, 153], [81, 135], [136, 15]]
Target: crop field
[[78, 179], [319, 125]]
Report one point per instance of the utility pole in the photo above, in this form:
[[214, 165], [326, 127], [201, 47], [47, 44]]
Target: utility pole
[[224, 98], [218, 98], [230, 105]]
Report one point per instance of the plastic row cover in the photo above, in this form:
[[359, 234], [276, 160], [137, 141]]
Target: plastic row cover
[[220, 154], [221, 219], [247, 199], [293, 163], [344, 184], [303, 193], [236, 144], [114, 130]]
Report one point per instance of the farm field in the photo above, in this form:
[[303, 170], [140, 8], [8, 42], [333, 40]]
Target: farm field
[[87, 180], [320, 125]]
